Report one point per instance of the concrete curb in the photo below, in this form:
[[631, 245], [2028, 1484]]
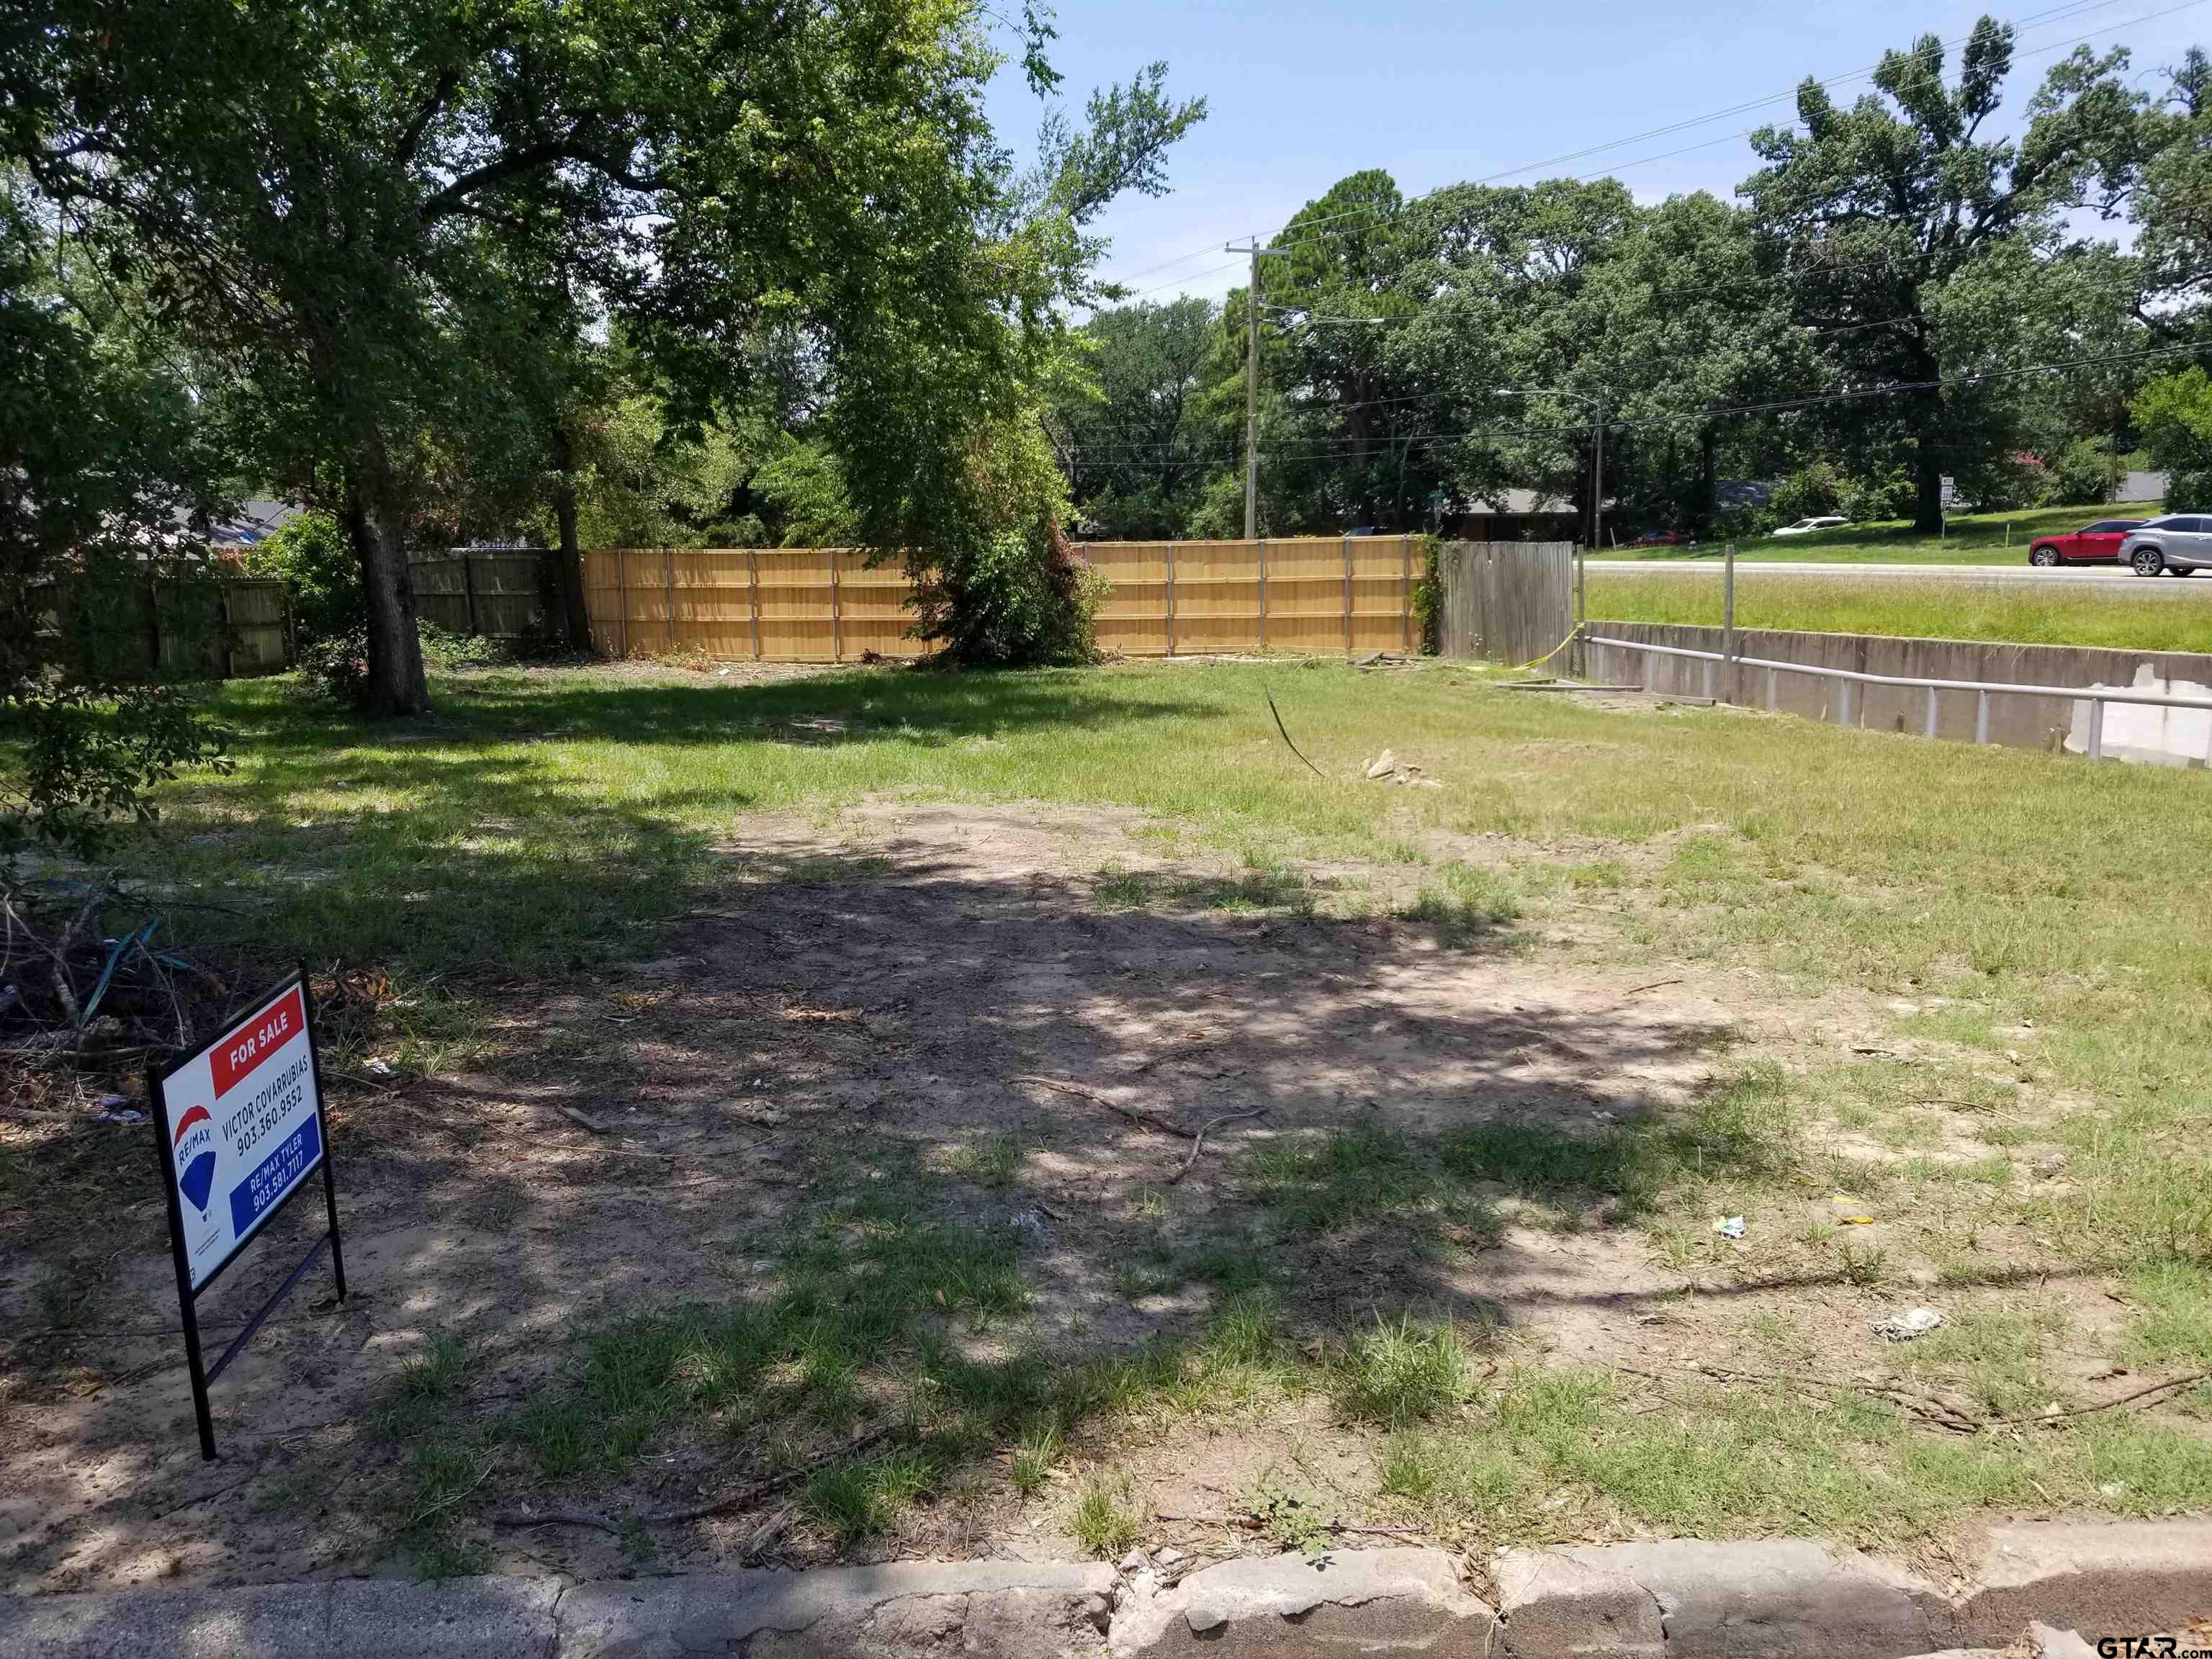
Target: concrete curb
[[1685, 1599], [1678, 1600], [1001, 1610], [1401, 1600], [2123, 1577]]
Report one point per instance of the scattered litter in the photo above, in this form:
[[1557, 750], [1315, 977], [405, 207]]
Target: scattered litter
[[1029, 1221], [1729, 1226], [1855, 1221], [109, 1103], [378, 1068], [1911, 1323], [121, 1117]]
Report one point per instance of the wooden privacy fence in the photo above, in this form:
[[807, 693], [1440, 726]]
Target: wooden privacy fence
[[1307, 593], [500, 595], [1505, 601], [127, 626]]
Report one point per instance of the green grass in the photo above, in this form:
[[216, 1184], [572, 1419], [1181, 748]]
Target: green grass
[[1104, 1517], [551, 823], [1971, 538], [1963, 609]]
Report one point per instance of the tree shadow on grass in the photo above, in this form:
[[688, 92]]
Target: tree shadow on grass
[[823, 1147]]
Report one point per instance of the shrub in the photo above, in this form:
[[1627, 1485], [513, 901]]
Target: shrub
[[312, 553]]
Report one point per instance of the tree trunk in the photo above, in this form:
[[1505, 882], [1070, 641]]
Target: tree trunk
[[576, 616], [376, 524]]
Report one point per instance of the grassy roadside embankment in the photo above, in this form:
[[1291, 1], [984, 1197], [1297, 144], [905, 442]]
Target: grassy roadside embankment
[[1937, 607], [1971, 538]]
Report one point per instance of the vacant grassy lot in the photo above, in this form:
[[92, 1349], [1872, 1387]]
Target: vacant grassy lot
[[1961, 610], [766, 1116], [1971, 538]]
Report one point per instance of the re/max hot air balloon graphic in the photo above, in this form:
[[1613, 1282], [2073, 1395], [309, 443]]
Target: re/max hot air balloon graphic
[[194, 1147]]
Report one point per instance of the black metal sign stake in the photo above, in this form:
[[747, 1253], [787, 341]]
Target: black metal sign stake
[[202, 1375]]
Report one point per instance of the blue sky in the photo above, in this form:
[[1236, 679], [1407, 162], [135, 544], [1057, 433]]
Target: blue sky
[[1302, 93]]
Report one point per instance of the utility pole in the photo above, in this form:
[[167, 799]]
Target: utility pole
[[1252, 385], [1598, 473], [1252, 399]]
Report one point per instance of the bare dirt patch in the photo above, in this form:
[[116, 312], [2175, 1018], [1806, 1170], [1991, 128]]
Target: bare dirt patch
[[978, 996]]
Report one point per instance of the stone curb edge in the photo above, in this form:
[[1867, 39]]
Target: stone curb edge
[[1681, 1598]]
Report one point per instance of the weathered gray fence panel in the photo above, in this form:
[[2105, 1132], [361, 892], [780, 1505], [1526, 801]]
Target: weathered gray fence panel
[[502, 595], [133, 626], [1506, 601]]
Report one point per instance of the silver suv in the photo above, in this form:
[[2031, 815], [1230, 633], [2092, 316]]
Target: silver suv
[[2179, 542]]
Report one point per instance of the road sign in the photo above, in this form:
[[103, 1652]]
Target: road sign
[[239, 1129], [1950, 490]]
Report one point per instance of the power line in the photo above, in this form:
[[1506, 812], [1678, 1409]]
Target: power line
[[2053, 14], [1322, 448]]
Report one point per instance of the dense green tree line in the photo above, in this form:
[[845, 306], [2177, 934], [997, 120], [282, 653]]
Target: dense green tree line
[[1855, 323]]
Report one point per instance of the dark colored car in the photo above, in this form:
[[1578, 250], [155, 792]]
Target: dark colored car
[[1663, 539], [2092, 543]]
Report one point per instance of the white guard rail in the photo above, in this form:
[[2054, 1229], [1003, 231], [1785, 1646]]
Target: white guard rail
[[2096, 697]]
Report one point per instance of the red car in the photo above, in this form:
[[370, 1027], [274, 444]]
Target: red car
[[1663, 539], [2094, 543]]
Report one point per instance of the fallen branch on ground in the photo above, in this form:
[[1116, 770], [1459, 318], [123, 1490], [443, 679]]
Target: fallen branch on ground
[[1198, 1145], [743, 1498], [1143, 1120]]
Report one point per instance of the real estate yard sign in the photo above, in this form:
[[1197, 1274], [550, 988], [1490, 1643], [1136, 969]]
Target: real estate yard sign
[[241, 1131]]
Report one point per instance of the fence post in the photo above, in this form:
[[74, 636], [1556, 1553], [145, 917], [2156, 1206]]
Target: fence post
[[1727, 620], [622, 596], [2097, 729], [1981, 717], [222, 611], [1347, 596], [668, 580], [1171, 548], [837, 614], [1263, 592], [1712, 681], [1770, 676], [1405, 595], [752, 586], [1843, 702], [468, 587], [1933, 694]]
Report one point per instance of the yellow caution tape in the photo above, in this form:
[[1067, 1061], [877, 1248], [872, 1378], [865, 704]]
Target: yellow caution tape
[[1523, 668]]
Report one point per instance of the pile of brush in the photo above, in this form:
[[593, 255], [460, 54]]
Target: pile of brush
[[91, 977]]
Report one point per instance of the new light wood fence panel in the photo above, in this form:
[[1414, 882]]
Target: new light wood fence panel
[[1164, 598], [1506, 601]]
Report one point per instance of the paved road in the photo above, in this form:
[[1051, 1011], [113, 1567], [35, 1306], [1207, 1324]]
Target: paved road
[[2102, 579]]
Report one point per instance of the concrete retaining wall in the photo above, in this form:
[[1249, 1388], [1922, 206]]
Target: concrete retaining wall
[[2170, 736]]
